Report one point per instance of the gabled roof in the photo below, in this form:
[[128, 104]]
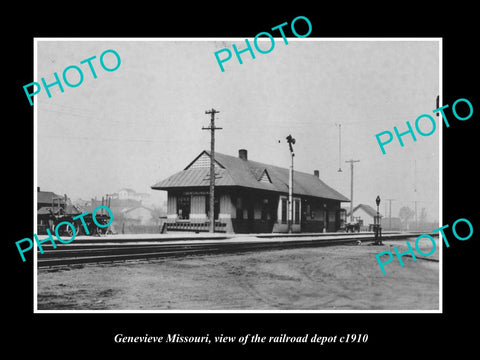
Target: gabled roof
[[264, 176], [234, 171], [45, 197], [367, 208]]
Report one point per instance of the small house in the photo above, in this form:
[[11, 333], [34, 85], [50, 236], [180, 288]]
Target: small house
[[364, 214]]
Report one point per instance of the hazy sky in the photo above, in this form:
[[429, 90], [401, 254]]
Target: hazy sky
[[142, 123]]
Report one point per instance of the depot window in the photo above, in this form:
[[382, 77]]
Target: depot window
[[216, 206], [183, 207], [284, 210], [296, 210], [239, 208]]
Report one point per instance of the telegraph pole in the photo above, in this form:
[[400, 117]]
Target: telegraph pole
[[416, 223], [351, 186], [415, 190], [390, 211], [212, 129]]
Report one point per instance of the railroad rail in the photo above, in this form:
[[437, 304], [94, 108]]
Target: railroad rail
[[123, 248]]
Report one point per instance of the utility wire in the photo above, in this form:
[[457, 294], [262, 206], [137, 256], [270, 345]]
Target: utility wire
[[68, 138]]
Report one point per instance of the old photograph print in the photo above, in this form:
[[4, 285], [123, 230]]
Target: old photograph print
[[301, 184]]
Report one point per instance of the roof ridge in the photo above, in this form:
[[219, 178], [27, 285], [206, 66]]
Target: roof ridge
[[240, 172], [266, 165]]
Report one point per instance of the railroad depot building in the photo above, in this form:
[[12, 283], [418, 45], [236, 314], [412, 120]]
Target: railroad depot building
[[250, 197]]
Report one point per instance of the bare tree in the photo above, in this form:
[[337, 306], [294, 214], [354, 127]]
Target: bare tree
[[423, 216], [405, 214]]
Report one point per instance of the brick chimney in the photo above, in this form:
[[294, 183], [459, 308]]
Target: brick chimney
[[243, 154], [316, 173]]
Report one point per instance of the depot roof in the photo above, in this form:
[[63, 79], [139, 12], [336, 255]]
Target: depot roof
[[231, 171]]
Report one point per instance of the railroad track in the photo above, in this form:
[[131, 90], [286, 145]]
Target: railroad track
[[109, 251]]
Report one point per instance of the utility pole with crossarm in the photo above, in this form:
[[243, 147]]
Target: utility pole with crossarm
[[212, 129]]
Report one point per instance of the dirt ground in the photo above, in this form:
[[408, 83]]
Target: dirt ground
[[325, 278]]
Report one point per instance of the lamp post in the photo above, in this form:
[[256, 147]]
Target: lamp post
[[290, 141], [351, 187], [340, 147]]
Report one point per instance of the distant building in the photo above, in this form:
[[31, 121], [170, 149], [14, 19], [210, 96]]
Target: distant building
[[46, 198], [51, 205], [250, 197], [83, 204], [129, 215], [129, 194], [118, 201], [364, 214], [140, 215], [394, 223]]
